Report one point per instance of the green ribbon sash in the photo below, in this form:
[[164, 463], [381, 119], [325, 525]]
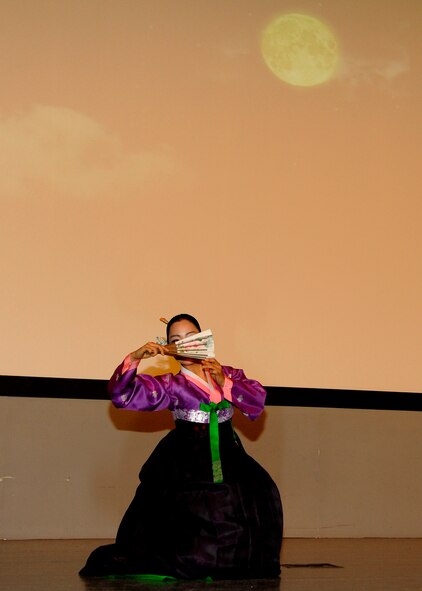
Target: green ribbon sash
[[212, 407]]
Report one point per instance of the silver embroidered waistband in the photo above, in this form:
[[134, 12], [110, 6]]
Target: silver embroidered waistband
[[201, 416]]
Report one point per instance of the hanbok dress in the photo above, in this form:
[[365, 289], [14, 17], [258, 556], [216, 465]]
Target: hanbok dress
[[204, 507]]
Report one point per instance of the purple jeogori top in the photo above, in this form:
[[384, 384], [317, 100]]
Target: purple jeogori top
[[183, 390]]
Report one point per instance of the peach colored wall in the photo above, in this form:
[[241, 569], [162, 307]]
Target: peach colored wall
[[153, 164]]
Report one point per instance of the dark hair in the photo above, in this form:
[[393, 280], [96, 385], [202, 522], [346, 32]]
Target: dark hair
[[182, 317]]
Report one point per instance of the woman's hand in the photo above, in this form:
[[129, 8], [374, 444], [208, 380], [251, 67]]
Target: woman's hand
[[215, 369], [150, 349]]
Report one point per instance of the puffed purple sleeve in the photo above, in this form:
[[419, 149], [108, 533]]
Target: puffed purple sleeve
[[139, 391], [247, 395]]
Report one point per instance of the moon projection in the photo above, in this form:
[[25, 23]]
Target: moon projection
[[300, 50]]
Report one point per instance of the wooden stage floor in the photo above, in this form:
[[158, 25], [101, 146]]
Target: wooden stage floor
[[309, 565]]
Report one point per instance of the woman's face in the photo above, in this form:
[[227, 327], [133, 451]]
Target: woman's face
[[181, 330]]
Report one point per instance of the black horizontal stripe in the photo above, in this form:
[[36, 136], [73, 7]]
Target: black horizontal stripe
[[86, 389]]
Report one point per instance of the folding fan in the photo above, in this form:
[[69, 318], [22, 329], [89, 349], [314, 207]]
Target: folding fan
[[196, 346]]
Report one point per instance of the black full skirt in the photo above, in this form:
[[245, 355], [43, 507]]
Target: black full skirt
[[182, 524]]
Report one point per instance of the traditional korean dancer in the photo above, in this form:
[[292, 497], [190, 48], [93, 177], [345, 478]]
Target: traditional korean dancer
[[204, 507]]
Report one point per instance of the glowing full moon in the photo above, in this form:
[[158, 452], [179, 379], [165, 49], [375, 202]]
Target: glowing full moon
[[300, 50]]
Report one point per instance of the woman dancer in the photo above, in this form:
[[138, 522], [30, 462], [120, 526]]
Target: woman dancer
[[204, 507]]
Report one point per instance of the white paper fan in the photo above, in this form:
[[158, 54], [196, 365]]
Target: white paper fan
[[196, 346]]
